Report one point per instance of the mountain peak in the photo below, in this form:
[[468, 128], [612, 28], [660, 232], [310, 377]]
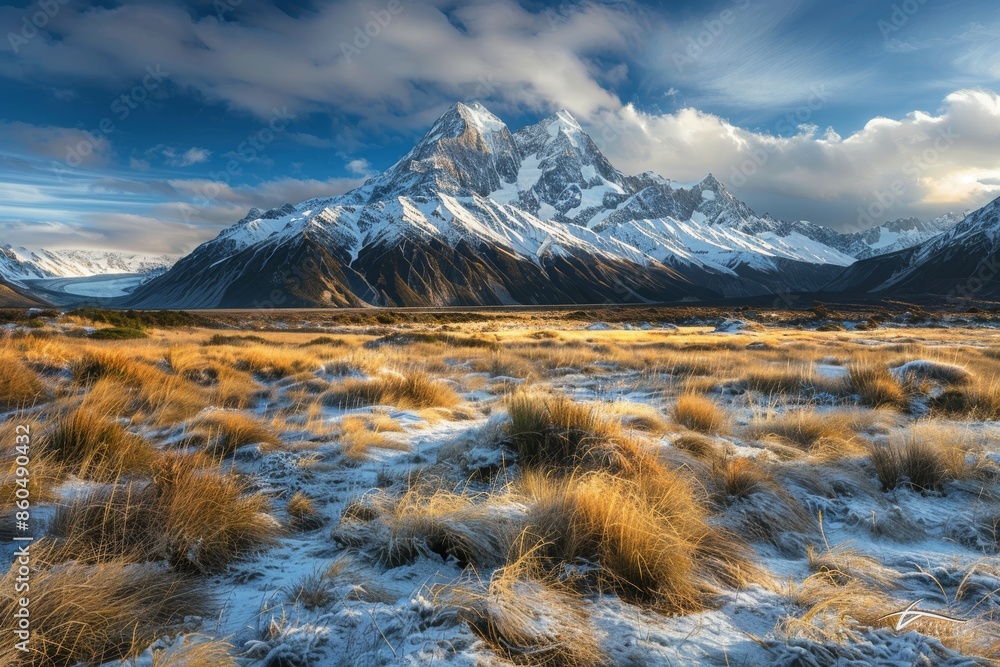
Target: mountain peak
[[561, 120]]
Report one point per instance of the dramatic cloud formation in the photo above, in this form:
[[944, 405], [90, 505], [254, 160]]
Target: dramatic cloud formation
[[182, 116]]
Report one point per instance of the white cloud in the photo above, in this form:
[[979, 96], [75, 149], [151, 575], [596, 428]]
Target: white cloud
[[925, 163], [359, 167], [188, 158]]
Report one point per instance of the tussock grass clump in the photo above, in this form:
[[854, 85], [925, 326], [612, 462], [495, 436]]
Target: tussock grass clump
[[471, 529], [273, 363], [739, 478], [877, 386], [91, 614], [117, 522], [979, 400], [553, 432], [195, 517], [829, 434], [209, 520], [228, 431], [700, 413], [650, 536], [922, 463], [357, 434], [416, 390], [195, 651], [303, 513], [98, 363], [97, 448], [20, 387], [528, 617], [700, 446]]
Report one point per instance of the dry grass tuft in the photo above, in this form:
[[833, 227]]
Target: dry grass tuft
[[20, 387], [529, 618], [209, 518], [553, 432], [415, 390], [95, 613], [829, 434], [96, 448], [699, 413], [922, 459], [650, 536], [701, 447], [357, 434], [739, 478], [197, 518], [877, 386], [228, 431], [195, 651], [476, 530], [303, 513]]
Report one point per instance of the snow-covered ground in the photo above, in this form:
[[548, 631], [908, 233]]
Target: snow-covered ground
[[933, 547]]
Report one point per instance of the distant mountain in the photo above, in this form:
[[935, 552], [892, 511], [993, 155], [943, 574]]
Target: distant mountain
[[960, 263], [475, 214], [18, 264]]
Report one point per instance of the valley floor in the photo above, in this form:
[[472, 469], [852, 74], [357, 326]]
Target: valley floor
[[527, 490]]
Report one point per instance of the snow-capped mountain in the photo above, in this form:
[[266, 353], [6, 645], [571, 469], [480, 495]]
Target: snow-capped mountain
[[962, 262], [477, 214], [18, 264]]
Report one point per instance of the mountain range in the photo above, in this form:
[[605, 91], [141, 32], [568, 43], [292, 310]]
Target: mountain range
[[19, 264], [475, 214]]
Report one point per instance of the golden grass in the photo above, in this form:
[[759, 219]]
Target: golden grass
[[924, 459], [302, 512], [472, 529], [20, 387], [650, 536], [829, 434], [554, 432], [93, 447], [358, 434], [195, 651], [738, 478], [415, 390], [877, 386], [95, 613], [272, 362], [700, 446], [195, 517], [209, 518], [699, 413], [227, 431], [528, 617]]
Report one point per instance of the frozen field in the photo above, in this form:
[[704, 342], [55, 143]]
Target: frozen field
[[519, 491]]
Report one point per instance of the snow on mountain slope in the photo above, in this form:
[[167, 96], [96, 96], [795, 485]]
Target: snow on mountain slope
[[18, 264], [959, 263], [472, 209]]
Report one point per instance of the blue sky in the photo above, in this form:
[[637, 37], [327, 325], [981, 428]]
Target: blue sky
[[149, 126]]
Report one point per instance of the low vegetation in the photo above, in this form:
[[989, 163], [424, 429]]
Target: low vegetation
[[580, 495]]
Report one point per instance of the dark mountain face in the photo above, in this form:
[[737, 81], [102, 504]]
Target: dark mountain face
[[962, 263], [477, 215]]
